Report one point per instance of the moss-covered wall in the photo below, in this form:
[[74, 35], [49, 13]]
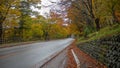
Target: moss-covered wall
[[105, 50]]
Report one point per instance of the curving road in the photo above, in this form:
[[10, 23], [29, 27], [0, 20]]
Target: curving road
[[27, 56]]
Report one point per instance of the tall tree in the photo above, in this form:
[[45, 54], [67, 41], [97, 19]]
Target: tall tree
[[25, 11], [5, 6], [112, 6]]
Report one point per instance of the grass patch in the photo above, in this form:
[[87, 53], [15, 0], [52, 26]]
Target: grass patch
[[104, 32]]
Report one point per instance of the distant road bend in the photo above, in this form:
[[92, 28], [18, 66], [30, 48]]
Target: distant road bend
[[35, 55]]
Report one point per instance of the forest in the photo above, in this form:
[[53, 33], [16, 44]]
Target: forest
[[75, 18]]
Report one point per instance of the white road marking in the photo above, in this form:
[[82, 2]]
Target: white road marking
[[76, 59]]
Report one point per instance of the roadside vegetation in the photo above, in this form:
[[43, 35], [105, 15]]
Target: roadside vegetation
[[104, 32], [95, 19], [84, 20], [21, 23]]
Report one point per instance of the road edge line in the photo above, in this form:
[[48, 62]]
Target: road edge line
[[76, 59]]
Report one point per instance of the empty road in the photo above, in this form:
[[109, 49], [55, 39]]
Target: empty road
[[29, 55]]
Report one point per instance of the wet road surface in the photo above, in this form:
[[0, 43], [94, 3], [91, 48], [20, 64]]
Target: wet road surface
[[27, 56]]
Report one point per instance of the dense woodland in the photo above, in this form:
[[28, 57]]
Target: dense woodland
[[83, 17]]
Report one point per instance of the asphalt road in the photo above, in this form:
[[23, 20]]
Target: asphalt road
[[27, 56]]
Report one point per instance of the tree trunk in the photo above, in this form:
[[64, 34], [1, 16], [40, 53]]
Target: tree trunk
[[97, 24], [1, 28], [115, 19]]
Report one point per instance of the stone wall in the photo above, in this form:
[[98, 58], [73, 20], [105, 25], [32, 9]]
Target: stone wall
[[105, 50]]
